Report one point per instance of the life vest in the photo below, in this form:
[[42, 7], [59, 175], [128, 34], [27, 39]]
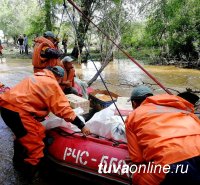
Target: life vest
[[68, 76], [39, 62]]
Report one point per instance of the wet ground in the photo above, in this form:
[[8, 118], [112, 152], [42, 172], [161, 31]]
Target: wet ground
[[119, 76]]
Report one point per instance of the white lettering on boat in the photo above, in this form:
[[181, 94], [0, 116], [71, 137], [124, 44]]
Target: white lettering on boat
[[78, 155], [111, 164]]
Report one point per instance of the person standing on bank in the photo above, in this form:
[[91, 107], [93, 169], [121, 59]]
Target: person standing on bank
[[26, 44], [64, 43], [45, 52], [67, 83], [163, 130], [20, 42], [28, 103]]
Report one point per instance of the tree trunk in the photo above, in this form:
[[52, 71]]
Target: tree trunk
[[48, 17], [82, 27]]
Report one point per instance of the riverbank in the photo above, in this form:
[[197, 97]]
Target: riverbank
[[148, 56]]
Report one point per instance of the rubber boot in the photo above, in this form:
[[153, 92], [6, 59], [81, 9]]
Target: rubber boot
[[31, 173], [19, 155]]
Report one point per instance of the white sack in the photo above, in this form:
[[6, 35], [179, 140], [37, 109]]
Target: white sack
[[104, 123], [53, 121]]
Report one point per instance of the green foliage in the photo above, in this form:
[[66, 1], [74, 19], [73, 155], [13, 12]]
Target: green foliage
[[46, 17], [133, 35], [117, 1], [37, 23], [28, 16], [174, 28], [14, 16]]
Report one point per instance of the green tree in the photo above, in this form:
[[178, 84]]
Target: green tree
[[47, 16], [113, 23], [14, 16], [87, 7], [173, 27], [133, 35]]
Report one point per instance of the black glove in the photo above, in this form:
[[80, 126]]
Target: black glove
[[78, 123], [50, 53]]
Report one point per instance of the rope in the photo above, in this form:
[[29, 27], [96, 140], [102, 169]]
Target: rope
[[124, 52], [96, 68]]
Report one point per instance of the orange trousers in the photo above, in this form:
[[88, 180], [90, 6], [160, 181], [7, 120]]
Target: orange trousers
[[28, 131], [33, 140]]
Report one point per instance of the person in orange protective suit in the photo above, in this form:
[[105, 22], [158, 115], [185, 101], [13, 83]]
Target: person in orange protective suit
[[26, 104], [163, 130], [67, 83], [45, 52]]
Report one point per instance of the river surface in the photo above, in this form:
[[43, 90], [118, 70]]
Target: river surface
[[119, 76]]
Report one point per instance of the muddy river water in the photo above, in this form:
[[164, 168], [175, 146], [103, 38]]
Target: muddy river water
[[119, 76]]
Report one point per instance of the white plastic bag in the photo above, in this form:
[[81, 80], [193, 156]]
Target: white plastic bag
[[53, 121], [104, 123], [99, 124], [118, 129]]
